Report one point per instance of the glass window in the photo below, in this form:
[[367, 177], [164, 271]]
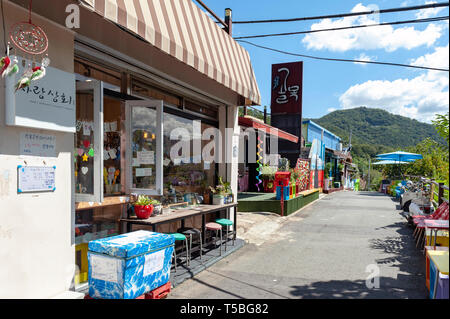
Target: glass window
[[189, 173], [143, 147]]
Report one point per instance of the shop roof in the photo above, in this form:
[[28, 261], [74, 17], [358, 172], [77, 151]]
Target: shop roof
[[181, 29], [248, 121], [321, 128]]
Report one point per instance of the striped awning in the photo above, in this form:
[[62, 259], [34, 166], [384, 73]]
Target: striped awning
[[180, 28]]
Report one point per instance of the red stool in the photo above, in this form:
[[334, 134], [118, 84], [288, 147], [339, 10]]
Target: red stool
[[215, 227]]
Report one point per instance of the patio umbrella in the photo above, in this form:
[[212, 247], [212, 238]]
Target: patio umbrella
[[399, 156], [387, 162]]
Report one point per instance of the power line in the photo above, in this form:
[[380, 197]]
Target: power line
[[344, 28], [425, 6], [344, 60]]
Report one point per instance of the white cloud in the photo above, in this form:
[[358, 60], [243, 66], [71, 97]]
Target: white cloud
[[331, 109], [370, 38], [420, 97], [428, 13], [364, 57]]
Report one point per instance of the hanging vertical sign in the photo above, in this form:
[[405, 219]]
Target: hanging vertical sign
[[287, 88]]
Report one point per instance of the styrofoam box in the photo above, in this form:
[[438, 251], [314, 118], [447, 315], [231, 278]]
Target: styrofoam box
[[129, 265]]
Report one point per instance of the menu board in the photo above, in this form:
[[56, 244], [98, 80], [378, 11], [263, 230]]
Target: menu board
[[35, 179]]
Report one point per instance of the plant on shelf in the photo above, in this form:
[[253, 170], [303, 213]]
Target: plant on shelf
[[143, 207], [220, 192], [156, 206]]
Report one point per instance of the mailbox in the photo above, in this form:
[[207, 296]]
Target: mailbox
[[282, 178]]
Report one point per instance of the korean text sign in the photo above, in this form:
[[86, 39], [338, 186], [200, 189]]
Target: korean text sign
[[287, 88]]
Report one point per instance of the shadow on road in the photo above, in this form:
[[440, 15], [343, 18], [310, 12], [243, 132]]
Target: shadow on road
[[347, 289]]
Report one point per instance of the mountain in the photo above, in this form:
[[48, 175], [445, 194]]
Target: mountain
[[375, 130]]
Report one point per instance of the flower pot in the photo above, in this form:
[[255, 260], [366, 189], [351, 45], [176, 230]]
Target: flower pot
[[218, 200], [297, 188], [143, 212], [270, 186], [157, 210]]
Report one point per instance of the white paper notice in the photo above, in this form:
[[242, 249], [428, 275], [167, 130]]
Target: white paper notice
[[154, 262], [146, 157], [141, 172], [104, 268], [113, 126], [135, 162], [37, 144], [206, 165], [87, 129]]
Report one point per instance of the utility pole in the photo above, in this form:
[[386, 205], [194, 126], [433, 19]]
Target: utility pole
[[368, 182], [228, 21]]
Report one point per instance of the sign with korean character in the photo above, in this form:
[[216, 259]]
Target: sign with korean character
[[35, 179], [287, 88], [36, 144], [48, 103]]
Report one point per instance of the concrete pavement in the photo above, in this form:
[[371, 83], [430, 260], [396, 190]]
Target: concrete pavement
[[327, 250]]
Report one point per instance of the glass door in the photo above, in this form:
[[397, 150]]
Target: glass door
[[144, 154], [88, 154]]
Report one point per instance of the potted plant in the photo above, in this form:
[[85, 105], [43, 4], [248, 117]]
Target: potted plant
[[157, 208], [143, 207], [268, 177], [221, 193]]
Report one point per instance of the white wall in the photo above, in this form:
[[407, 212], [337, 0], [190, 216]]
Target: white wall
[[37, 254]]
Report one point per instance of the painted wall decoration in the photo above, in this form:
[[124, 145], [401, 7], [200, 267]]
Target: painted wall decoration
[[303, 168]]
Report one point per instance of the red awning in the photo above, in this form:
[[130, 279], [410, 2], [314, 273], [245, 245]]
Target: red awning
[[249, 122]]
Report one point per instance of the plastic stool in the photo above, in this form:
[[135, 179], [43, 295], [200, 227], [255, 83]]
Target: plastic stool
[[183, 238], [188, 231], [216, 227], [227, 223]]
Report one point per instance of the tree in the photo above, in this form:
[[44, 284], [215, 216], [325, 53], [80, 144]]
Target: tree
[[441, 125]]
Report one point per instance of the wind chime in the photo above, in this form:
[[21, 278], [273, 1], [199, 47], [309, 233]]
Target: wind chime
[[31, 43], [258, 161]]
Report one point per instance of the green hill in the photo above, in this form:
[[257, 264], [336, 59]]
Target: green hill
[[375, 130]]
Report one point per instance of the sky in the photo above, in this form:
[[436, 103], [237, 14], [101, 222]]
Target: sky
[[329, 86]]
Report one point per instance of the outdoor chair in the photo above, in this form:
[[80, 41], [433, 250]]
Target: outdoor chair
[[183, 239], [194, 235], [217, 228], [225, 222], [442, 213]]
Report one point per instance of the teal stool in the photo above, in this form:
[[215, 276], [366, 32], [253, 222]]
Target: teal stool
[[226, 222], [183, 238]]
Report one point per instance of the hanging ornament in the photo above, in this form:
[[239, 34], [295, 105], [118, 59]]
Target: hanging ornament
[[24, 80], [12, 69], [4, 64], [32, 43]]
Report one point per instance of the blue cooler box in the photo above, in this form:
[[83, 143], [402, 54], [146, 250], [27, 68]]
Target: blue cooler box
[[129, 265]]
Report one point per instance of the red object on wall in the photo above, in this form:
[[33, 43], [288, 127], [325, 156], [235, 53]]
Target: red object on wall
[[321, 174], [287, 88], [311, 180]]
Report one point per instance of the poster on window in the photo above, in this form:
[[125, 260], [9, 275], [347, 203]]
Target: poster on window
[[287, 88]]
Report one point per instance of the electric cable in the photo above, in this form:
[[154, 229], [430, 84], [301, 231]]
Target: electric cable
[[342, 15], [344, 28], [344, 60]]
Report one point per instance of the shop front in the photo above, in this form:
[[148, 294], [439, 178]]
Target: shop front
[[155, 112]]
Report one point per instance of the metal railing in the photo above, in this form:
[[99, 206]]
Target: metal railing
[[438, 190]]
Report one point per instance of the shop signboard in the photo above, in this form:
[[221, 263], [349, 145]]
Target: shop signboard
[[48, 103], [287, 88]]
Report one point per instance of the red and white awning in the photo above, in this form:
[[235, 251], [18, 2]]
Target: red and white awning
[[180, 28]]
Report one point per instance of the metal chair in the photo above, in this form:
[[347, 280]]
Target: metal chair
[[215, 227], [225, 222], [183, 238]]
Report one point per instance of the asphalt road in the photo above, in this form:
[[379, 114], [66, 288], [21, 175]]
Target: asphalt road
[[330, 249]]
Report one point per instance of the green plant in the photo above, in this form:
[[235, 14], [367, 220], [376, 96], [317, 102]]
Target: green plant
[[268, 172], [327, 169], [294, 175], [222, 189], [154, 202], [143, 200]]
